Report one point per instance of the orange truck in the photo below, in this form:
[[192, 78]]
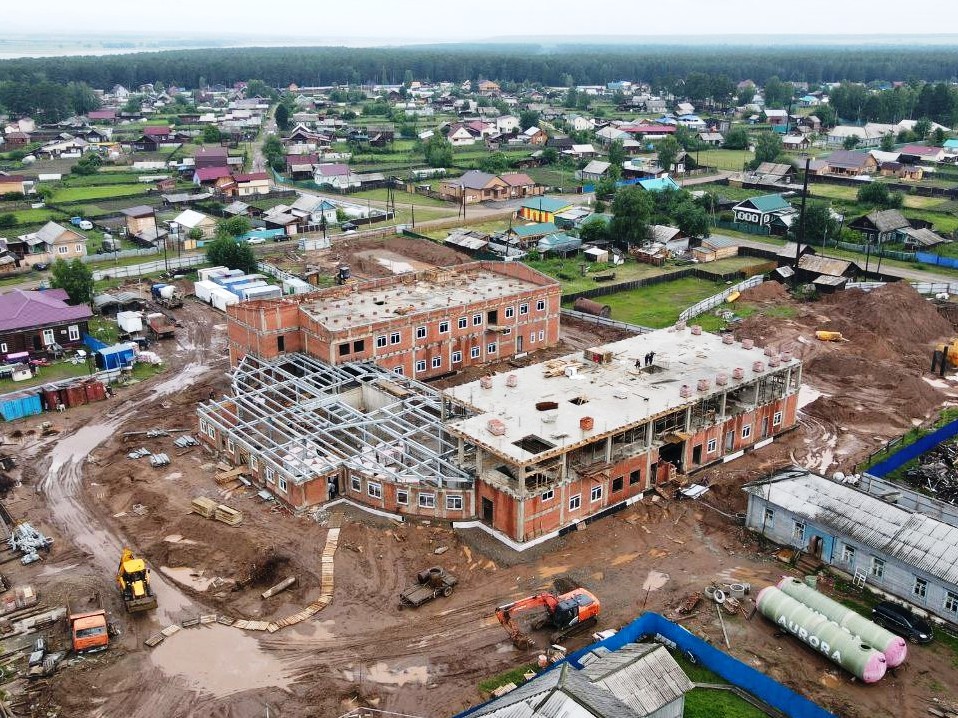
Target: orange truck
[[88, 627]]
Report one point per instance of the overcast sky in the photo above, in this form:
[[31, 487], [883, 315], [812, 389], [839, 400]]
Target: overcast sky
[[441, 20]]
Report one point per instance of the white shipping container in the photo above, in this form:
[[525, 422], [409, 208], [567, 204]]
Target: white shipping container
[[207, 273], [130, 322], [223, 298], [240, 289], [295, 285], [204, 289], [270, 291]]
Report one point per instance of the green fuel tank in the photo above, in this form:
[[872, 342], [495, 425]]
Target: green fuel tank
[[894, 647], [826, 637]]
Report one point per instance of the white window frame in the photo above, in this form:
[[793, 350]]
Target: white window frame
[[381, 341], [777, 418], [746, 431], [491, 348], [395, 338], [3, 347], [211, 431], [523, 309], [510, 312], [575, 502], [230, 446], [712, 446], [436, 362], [595, 494], [48, 337], [374, 489], [73, 332], [877, 568], [356, 484], [420, 366], [463, 322], [402, 497], [547, 495], [63, 249], [398, 370], [542, 335], [848, 553], [540, 305], [457, 357], [269, 474], [950, 603], [78, 247], [475, 352], [253, 462], [444, 327], [532, 338], [283, 486], [427, 501], [476, 320], [798, 532], [920, 588], [454, 503], [420, 332]]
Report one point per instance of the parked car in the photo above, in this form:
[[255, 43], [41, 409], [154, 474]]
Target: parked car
[[348, 227], [85, 224], [255, 240], [901, 621], [40, 266]]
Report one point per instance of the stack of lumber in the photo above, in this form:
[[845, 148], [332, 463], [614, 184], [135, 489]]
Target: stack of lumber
[[228, 515], [204, 507], [224, 477], [326, 585]]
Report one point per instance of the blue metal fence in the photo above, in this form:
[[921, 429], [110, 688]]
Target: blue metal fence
[[731, 669], [929, 258], [913, 451]]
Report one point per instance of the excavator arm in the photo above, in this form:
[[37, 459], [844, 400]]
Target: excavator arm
[[507, 613]]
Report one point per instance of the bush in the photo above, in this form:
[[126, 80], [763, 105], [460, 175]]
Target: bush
[[727, 216], [8, 220]]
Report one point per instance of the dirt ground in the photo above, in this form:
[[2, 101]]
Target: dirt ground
[[81, 488]]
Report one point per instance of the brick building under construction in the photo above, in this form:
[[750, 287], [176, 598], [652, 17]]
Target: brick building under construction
[[524, 455], [419, 324]]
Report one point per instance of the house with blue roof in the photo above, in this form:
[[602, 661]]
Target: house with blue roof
[[658, 184]]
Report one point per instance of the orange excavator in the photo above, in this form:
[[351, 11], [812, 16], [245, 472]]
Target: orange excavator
[[569, 613]]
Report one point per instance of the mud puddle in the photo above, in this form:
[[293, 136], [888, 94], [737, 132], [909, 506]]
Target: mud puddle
[[219, 660]]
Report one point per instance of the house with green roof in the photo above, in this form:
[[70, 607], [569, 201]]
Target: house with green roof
[[543, 209], [525, 232], [767, 210]]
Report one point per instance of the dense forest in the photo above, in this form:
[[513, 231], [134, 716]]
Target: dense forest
[[659, 65]]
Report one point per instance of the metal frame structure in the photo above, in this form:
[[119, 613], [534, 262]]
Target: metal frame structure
[[304, 419]]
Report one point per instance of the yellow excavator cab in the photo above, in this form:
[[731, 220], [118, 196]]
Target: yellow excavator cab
[[133, 580]]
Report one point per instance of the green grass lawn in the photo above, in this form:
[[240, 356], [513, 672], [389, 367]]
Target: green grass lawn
[[710, 702], [513, 675], [77, 194], [103, 178], [402, 198], [56, 372], [731, 160], [34, 216], [659, 306]]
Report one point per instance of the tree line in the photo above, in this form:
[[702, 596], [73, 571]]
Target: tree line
[[662, 66]]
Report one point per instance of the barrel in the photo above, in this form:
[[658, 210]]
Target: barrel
[[588, 306]]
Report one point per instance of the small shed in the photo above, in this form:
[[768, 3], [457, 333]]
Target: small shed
[[596, 254], [20, 404], [715, 247], [115, 356]]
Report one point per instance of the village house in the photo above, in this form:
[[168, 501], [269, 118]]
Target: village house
[[190, 219], [40, 322], [13, 184], [49, 243], [206, 157], [251, 184], [762, 211], [534, 136], [335, 175], [542, 209], [474, 186], [849, 162], [881, 226]]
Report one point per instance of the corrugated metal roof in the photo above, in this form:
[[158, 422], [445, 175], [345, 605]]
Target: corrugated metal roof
[[643, 676], [920, 541]]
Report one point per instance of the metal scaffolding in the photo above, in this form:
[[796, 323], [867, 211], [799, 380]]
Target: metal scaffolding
[[302, 418]]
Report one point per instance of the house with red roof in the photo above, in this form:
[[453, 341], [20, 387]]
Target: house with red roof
[[13, 183], [36, 321], [154, 137], [521, 185], [336, 175], [921, 153], [107, 116], [210, 157], [209, 175]]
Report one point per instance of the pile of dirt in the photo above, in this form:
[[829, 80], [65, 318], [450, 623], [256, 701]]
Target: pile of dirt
[[894, 315], [766, 292]]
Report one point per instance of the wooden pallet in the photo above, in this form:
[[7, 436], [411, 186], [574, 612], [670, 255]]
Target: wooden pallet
[[224, 477]]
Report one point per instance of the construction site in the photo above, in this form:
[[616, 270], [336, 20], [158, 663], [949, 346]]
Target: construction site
[[310, 600]]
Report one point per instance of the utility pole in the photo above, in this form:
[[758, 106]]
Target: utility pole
[[801, 225]]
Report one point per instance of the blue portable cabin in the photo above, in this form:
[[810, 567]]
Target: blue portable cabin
[[17, 405], [115, 356]]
